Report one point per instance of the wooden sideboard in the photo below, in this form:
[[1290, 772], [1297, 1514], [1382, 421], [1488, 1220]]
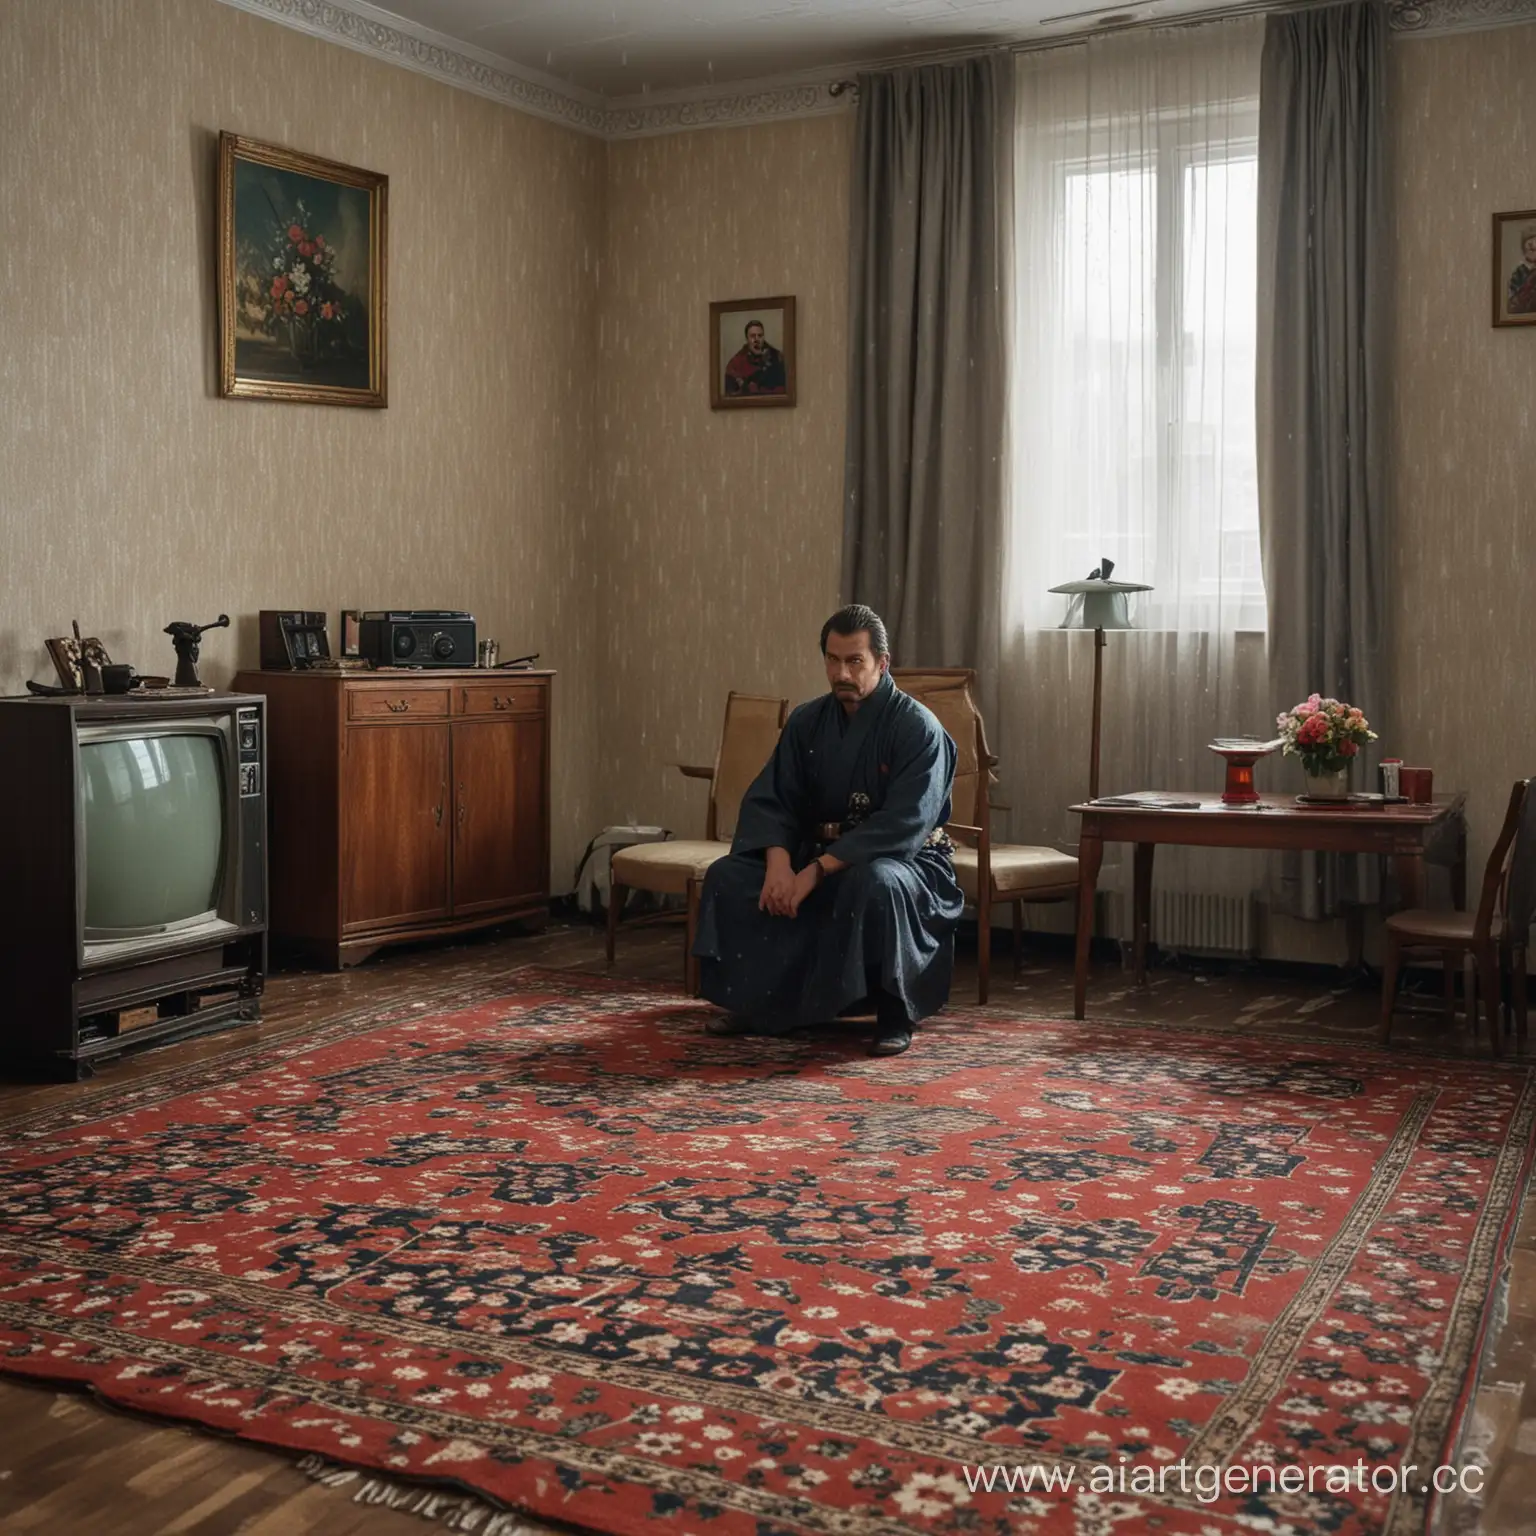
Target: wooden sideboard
[[404, 804]]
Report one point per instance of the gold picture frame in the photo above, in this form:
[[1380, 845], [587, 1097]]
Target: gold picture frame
[[1514, 268], [751, 353], [303, 277]]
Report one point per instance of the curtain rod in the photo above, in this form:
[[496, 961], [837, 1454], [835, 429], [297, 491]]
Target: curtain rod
[[1116, 20]]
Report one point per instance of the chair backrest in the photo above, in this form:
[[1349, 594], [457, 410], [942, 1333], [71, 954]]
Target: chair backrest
[[747, 740], [951, 701], [917, 680], [1496, 873], [1520, 892], [921, 681]]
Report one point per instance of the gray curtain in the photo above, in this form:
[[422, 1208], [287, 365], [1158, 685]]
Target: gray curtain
[[1321, 367], [924, 481]]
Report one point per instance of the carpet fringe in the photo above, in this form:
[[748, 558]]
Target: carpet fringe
[[453, 1511]]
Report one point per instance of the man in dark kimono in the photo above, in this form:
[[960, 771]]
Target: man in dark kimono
[[839, 885]]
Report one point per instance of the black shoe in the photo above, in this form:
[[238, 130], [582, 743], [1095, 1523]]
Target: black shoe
[[892, 1040], [729, 1024]]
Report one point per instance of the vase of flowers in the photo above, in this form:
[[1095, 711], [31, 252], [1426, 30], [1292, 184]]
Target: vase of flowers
[[291, 290], [1327, 736], [1327, 786]]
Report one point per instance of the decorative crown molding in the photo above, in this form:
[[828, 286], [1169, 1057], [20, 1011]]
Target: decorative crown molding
[[1429, 18], [366, 29], [759, 101]]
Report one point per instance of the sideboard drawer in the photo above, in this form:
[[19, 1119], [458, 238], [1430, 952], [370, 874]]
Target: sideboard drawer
[[501, 699], [396, 703]]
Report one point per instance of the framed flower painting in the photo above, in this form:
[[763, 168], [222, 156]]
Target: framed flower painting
[[302, 276]]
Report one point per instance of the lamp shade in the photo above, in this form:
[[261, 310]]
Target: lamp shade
[[1097, 602]]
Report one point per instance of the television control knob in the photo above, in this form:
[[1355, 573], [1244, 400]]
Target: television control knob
[[405, 642], [442, 647]]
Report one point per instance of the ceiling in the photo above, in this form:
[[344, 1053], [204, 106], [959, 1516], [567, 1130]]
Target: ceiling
[[627, 48]]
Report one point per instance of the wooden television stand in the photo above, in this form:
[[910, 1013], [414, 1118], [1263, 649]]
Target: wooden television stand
[[405, 804]]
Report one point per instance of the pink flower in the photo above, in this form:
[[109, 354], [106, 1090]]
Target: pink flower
[[1349, 749]]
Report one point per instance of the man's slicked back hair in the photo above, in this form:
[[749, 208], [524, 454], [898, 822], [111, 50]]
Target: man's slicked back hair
[[853, 618]]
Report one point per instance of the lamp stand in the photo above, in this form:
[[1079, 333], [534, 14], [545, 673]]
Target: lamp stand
[[1098, 704]]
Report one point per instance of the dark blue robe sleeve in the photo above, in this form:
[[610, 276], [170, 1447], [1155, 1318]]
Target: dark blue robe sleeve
[[922, 771], [770, 815]]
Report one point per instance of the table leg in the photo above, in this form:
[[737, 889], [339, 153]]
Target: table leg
[[1090, 854], [1141, 931], [1354, 937], [1459, 867], [1410, 879]]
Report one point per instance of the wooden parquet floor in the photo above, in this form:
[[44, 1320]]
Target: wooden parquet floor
[[70, 1466]]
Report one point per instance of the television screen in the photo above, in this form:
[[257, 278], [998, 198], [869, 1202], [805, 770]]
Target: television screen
[[154, 823]]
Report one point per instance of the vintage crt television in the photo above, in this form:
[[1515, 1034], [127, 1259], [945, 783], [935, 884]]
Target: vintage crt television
[[133, 845]]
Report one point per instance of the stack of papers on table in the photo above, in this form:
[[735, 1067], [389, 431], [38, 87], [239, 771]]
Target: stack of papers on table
[[1146, 800]]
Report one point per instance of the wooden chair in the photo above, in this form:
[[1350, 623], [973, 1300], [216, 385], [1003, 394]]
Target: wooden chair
[[677, 868], [1481, 934], [987, 872], [1520, 912]]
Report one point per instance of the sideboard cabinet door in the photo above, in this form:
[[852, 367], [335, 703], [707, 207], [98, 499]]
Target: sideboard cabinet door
[[395, 848], [500, 837]]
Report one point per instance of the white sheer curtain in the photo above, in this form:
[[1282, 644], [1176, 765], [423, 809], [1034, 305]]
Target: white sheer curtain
[[1133, 428]]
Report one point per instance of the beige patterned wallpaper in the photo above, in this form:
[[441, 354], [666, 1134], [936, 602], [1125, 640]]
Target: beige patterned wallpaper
[[725, 527], [130, 494], [1463, 439]]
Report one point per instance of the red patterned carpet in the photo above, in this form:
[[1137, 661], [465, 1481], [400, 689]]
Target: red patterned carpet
[[562, 1248]]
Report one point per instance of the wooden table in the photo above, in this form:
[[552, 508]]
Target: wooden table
[[1402, 833]]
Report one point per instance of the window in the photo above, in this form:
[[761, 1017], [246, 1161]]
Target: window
[[1136, 273]]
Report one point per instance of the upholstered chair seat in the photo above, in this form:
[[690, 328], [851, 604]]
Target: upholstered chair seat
[[1418, 925], [666, 868], [1017, 871]]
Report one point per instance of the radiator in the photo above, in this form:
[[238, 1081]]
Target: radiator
[[1187, 920], [1199, 920]]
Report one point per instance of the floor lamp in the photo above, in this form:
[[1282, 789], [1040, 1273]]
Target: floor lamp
[[1098, 604]]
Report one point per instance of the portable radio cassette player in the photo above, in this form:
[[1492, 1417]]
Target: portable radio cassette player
[[418, 637]]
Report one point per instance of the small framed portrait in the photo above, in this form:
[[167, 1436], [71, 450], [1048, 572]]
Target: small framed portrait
[[351, 632], [1514, 268], [751, 353], [303, 263]]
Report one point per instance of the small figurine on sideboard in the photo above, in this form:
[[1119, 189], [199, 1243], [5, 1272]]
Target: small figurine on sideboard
[[187, 639]]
